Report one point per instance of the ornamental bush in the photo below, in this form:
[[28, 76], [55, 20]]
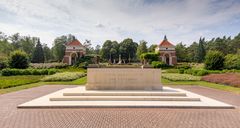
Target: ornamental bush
[[150, 57], [159, 64], [18, 59], [214, 60]]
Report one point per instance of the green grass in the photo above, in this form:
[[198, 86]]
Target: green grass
[[80, 81], [201, 83], [12, 81]]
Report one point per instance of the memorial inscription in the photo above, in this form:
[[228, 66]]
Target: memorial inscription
[[123, 79]]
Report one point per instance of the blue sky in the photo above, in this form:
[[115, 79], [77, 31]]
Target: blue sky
[[181, 20]]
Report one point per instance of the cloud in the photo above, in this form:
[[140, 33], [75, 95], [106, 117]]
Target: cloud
[[184, 20]]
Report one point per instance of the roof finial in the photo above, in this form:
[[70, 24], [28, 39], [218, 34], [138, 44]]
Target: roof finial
[[165, 38]]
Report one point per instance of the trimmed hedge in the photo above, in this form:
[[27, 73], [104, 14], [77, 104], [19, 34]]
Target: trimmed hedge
[[15, 72], [159, 64]]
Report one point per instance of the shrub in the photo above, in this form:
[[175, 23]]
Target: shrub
[[159, 64], [196, 72], [181, 70], [3, 62], [18, 59], [202, 73], [183, 66], [149, 57], [172, 71], [51, 71], [214, 60], [232, 61], [65, 76]]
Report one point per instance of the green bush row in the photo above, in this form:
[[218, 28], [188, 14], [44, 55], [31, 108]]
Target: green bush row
[[159, 64], [14, 72]]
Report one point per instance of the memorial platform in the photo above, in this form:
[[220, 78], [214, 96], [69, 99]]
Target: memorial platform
[[167, 98]]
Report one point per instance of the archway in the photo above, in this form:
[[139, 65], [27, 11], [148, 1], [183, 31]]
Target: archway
[[73, 58], [167, 60]]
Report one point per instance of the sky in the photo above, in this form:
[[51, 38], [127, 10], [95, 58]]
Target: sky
[[99, 20]]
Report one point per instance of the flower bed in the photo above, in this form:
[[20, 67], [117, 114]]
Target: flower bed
[[65, 76], [180, 77], [232, 79], [48, 65]]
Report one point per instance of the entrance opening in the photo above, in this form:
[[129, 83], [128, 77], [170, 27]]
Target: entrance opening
[[167, 59], [73, 58]]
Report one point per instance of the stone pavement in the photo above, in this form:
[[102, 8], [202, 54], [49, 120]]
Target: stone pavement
[[11, 117]]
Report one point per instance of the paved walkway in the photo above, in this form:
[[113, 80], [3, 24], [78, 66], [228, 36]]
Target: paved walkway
[[11, 117]]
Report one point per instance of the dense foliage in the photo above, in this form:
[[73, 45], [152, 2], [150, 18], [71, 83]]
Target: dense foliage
[[195, 51], [214, 60], [149, 57], [19, 59], [232, 61]]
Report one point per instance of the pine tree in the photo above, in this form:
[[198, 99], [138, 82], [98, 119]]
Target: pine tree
[[201, 51], [38, 54]]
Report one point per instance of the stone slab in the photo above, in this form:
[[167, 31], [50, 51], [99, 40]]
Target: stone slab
[[44, 102], [123, 79]]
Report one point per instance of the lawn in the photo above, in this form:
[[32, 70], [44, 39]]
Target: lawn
[[201, 83], [80, 81], [12, 81]]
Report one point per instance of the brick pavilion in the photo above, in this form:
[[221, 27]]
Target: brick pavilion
[[167, 52], [74, 50]]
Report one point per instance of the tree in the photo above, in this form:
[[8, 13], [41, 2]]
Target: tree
[[232, 61], [214, 60], [27, 44], [127, 49], [59, 47], [88, 45], [110, 50], [15, 39], [97, 49], [142, 48], [38, 54], [18, 59], [192, 52], [149, 57], [152, 48], [181, 52], [201, 51], [47, 53]]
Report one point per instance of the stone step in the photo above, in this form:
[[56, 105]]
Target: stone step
[[121, 98], [125, 93]]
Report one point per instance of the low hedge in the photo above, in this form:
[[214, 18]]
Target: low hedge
[[195, 72], [15, 72], [159, 64]]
